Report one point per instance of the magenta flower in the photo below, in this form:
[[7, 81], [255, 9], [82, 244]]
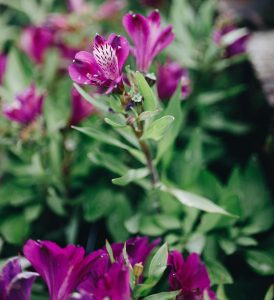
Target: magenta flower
[[80, 108], [138, 249], [35, 41], [169, 76], [109, 9], [148, 37], [15, 284], [236, 47], [26, 107], [189, 276], [62, 269], [3, 65], [103, 66], [106, 280]]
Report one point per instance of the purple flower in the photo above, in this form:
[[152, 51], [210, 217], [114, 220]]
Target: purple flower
[[3, 65], [103, 66], [189, 276], [106, 280], [138, 249], [62, 269], [148, 37], [81, 108], [237, 46], [169, 76], [15, 284], [109, 9], [35, 41], [26, 107]]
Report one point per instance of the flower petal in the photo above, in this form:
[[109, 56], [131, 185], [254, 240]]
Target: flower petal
[[121, 46], [137, 27], [20, 286]]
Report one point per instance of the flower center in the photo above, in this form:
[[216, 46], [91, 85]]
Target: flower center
[[106, 59]]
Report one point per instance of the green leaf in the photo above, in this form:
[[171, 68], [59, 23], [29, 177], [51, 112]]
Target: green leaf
[[147, 115], [32, 212], [174, 109], [130, 176], [15, 229], [261, 262], [150, 102], [17, 75], [196, 201], [105, 138], [163, 296], [120, 212], [55, 202], [218, 273], [158, 262], [116, 123], [97, 202], [158, 128], [96, 103], [246, 241], [270, 293], [110, 252]]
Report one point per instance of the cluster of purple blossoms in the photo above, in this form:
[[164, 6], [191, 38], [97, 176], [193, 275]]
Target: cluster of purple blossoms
[[102, 67], [70, 274]]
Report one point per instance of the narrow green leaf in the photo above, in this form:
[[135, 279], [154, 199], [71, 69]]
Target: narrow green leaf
[[174, 109], [96, 103], [261, 261], [158, 263], [270, 293], [196, 201], [158, 128], [115, 123], [130, 176], [150, 102], [105, 138], [163, 296], [110, 252], [218, 273]]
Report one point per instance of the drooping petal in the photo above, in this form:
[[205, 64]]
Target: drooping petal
[[20, 286]]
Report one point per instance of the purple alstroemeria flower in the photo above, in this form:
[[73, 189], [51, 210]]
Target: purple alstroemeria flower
[[189, 276], [63, 269], [26, 107], [106, 280], [148, 37], [103, 66], [236, 47], [80, 108], [138, 249], [169, 76], [15, 284], [3, 65], [35, 41]]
